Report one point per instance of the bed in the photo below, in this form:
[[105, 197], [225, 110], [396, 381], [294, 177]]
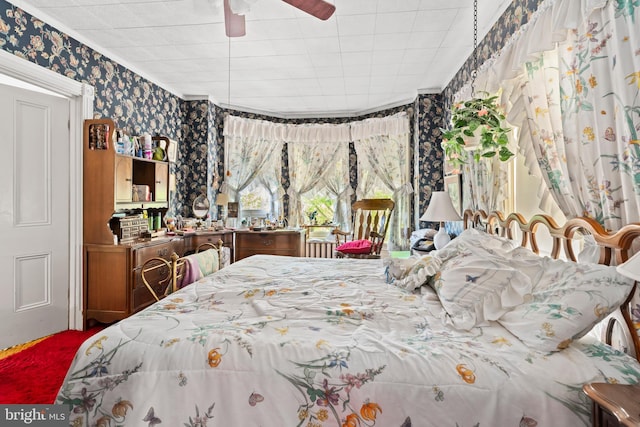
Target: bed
[[480, 333]]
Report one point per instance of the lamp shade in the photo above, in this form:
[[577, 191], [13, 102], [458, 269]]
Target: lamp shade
[[631, 267], [440, 208], [222, 199]]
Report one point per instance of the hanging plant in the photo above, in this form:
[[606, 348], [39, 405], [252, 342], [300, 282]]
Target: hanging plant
[[476, 126]]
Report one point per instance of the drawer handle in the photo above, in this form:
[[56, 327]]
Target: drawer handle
[[267, 242], [163, 252]]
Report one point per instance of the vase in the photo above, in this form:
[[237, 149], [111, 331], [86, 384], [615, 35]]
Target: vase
[[471, 143]]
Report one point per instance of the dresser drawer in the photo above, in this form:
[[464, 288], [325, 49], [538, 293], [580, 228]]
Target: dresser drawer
[[287, 243], [266, 241], [159, 250]]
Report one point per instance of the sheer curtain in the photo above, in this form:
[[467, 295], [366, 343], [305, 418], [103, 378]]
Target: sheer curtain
[[337, 182], [309, 163], [484, 184], [250, 147], [382, 147]]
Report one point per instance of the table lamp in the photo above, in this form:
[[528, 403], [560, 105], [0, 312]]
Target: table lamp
[[631, 267], [440, 209]]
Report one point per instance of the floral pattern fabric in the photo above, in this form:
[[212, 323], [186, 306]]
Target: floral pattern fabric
[[276, 341], [582, 118]]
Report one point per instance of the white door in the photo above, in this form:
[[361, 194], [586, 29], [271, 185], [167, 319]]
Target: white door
[[34, 215]]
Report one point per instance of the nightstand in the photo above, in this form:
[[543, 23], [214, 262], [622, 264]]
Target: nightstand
[[614, 404]]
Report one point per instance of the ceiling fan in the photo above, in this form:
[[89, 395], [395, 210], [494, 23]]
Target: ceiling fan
[[234, 22]]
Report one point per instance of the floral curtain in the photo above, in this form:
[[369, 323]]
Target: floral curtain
[[484, 184], [337, 182], [248, 153], [309, 162], [582, 117], [382, 148], [572, 77]]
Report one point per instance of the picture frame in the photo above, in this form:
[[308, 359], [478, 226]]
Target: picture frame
[[172, 150], [233, 209], [453, 186]]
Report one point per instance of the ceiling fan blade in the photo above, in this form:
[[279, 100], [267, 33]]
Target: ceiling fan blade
[[318, 8], [233, 23]]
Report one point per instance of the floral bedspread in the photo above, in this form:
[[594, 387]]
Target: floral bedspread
[[280, 341]]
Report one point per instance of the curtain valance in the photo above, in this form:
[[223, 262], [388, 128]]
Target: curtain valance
[[397, 124], [549, 25], [262, 129], [253, 129]]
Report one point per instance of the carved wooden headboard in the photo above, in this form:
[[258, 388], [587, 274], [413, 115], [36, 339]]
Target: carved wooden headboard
[[615, 247]]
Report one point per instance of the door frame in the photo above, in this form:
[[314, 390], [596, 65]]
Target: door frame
[[81, 96]]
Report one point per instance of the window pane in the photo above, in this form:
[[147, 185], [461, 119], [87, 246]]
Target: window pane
[[317, 206]]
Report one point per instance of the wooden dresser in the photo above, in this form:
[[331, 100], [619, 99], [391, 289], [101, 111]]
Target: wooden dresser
[[279, 242], [113, 284], [193, 240], [614, 405]]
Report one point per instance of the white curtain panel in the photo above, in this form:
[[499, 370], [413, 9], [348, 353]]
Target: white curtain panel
[[309, 162], [250, 148], [337, 182], [318, 154], [382, 147]]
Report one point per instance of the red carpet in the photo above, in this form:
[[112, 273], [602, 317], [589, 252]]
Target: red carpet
[[34, 375]]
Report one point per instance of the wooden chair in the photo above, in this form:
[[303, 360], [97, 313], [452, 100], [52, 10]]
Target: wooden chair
[[162, 277], [371, 219]]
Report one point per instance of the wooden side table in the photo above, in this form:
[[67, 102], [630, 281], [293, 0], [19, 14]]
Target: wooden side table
[[614, 404]]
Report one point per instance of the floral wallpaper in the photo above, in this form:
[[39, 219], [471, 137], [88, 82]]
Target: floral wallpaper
[[430, 118], [517, 14], [140, 106], [136, 104]]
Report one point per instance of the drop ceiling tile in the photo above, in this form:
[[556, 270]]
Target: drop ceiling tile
[[439, 20], [391, 6], [326, 58], [289, 46], [273, 29], [381, 51], [322, 45], [418, 57], [400, 22], [255, 49], [357, 59], [425, 39], [332, 86], [312, 27], [393, 41], [329, 71], [362, 43], [356, 7], [387, 57], [356, 24]]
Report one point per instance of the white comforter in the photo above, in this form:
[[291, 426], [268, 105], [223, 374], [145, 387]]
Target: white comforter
[[280, 341]]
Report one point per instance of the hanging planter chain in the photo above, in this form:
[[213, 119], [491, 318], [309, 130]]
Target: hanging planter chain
[[474, 73]]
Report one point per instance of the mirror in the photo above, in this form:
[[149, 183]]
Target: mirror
[[200, 206]]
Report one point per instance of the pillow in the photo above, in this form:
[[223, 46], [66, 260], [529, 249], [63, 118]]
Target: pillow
[[410, 273], [355, 247], [475, 287], [567, 300], [479, 241]]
